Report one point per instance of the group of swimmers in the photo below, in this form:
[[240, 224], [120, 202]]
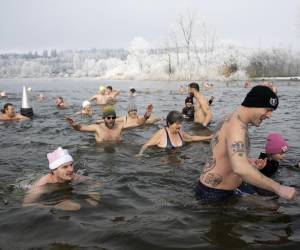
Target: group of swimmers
[[229, 170]]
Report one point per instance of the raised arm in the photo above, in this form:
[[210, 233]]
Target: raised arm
[[146, 116], [153, 141], [237, 149], [93, 98], [82, 128], [190, 138]]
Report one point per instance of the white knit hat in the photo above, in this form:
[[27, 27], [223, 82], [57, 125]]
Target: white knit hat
[[59, 157], [85, 103]]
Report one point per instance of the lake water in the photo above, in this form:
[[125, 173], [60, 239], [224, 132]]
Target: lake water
[[146, 203]]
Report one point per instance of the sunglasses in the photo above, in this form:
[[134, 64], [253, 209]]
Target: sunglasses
[[110, 117]]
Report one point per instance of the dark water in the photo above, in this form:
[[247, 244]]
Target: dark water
[[146, 203]]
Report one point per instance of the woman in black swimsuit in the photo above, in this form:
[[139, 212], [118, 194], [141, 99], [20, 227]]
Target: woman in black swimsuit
[[172, 136]]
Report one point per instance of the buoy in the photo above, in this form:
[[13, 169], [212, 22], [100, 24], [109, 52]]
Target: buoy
[[26, 108]]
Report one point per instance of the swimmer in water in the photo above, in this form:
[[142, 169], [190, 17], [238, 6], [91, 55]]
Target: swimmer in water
[[61, 172], [3, 94], [268, 162], [203, 114], [112, 94], [87, 109], [188, 111], [229, 163], [40, 97], [132, 120], [172, 136], [8, 113], [132, 92], [109, 130], [59, 102], [101, 97]]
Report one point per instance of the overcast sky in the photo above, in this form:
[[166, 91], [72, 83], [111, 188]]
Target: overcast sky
[[83, 24]]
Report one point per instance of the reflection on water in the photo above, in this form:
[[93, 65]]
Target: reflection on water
[[148, 202]]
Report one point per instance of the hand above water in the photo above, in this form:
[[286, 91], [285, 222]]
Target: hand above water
[[148, 111], [286, 192], [72, 123]]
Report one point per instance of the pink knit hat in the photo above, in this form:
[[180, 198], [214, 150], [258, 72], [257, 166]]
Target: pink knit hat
[[59, 157], [276, 144]]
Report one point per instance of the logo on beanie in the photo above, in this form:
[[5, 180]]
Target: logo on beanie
[[284, 149], [273, 102]]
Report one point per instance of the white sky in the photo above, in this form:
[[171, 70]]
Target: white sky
[[83, 24]]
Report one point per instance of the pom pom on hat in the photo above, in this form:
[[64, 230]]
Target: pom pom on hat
[[276, 144]]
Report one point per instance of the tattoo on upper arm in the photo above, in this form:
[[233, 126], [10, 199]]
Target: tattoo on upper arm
[[238, 147], [213, 179]]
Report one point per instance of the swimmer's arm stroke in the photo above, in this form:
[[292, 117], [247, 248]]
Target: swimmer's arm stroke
[[237, 151], [153, 141], [190, 138]]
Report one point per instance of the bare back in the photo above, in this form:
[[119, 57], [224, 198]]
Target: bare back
[[202, 114]]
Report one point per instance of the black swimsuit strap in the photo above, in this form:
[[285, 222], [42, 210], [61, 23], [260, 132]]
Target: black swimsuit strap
[[169, 143]]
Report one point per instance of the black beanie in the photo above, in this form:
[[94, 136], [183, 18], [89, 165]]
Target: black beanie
[[261, 97]]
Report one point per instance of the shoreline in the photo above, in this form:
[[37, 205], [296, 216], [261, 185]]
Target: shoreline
[[290, 78]]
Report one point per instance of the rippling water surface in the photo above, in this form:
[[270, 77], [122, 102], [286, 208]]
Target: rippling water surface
[[146, 203]]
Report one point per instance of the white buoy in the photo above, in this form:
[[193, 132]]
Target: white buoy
[[26, 108]]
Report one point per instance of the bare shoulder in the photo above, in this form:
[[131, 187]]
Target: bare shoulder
[[43, 181]]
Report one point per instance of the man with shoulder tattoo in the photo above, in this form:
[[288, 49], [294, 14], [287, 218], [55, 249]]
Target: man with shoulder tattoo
[[229, 164]]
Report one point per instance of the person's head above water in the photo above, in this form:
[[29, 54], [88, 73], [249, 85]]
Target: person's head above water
[[58, 158], [59, 101], [276, 144], [132, 90], [189, 99], [174, 117], [108, 111], [194, 85], [9, 110], [102, 89], [109, 88], [261, 97], [109, 116], [61, 165], [131, 107], [86, 104]]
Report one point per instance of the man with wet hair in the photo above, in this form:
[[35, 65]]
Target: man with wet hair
[[8, 113], [172, 136], [202, 115], [107, 131], [111, 93], [229, 164]]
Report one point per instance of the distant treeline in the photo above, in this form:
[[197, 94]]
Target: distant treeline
[[221, 62]]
